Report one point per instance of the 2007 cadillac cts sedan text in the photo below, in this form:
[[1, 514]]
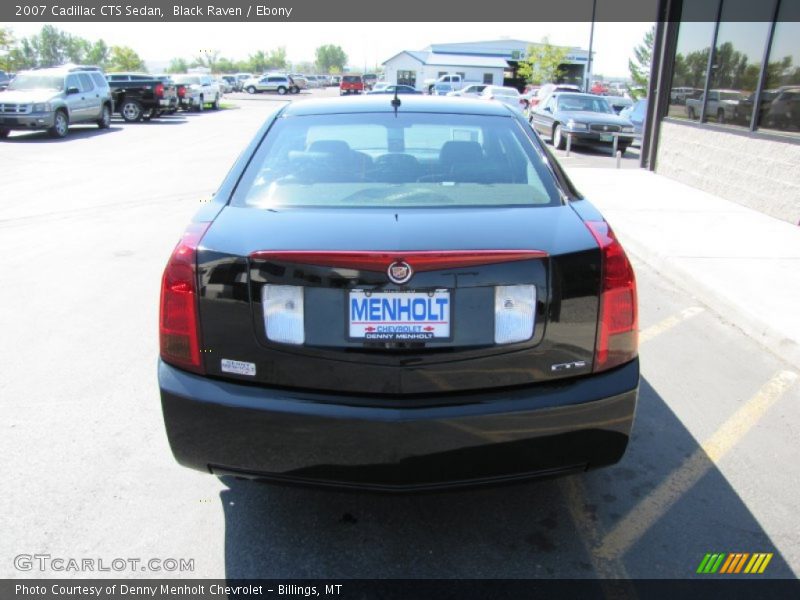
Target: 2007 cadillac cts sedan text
[[398, 295]]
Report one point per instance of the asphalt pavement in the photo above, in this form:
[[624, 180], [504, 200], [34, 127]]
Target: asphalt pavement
[[86, 226]]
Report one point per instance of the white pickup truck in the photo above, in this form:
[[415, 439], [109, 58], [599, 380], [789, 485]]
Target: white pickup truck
[[454, 80], [721, 105]]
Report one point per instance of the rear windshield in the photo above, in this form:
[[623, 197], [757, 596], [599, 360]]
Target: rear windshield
[[387, 160], [568, 102], [351, 79]]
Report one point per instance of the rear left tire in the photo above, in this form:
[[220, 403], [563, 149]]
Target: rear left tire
[[131, 111]]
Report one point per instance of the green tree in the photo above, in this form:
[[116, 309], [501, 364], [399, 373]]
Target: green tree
[[543, 63], [76, 49], [258, 62], [124, 58], [639, 65], [226, 65], [276, 59], [98, 54], [208, 59], [23, 56], [304, 67], [177, 65], [330, 57], [50, 47], [6, 46]]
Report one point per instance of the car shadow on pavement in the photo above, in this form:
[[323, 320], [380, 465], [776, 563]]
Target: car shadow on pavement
[[653, 515], [75, 133], [162, 120]]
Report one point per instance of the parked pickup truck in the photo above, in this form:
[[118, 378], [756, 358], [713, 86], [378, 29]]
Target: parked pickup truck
[[140, 96], [199, 90], [721, 105], [454, 80]]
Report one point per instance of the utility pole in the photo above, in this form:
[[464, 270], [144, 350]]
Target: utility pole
[[591, 43]]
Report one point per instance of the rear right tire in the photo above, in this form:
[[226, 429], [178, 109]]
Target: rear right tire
[[4, 133], [251, 89]]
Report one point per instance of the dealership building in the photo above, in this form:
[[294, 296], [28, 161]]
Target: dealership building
[[724, 109], [492, 62]]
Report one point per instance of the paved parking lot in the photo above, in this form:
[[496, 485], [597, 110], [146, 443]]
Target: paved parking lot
[[86, 225]]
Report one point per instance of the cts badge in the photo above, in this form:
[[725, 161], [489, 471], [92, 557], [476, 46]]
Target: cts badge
[[400, 272]]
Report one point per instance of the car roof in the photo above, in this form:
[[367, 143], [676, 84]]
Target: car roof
[[501, 87], [581, 94], [380, 103]]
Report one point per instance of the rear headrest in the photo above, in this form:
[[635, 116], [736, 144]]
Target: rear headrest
[[329, 146], [460, 152]]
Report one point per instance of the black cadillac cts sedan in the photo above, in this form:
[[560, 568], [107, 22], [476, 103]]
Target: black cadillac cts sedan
[[398, 297]]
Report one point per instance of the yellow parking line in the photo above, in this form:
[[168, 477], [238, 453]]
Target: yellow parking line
[[648, 334], [645, 514], [575, 494]]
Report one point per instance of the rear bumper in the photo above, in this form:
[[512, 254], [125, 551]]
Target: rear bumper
[[301, 437]]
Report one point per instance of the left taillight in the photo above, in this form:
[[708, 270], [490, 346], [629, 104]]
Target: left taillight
[[179, 327], [617, 330]]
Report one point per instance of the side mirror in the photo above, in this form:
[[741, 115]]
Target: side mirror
[[73, 90], [547, 109]]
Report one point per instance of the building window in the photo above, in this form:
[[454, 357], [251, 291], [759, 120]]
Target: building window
[[695, 37], [441, 74], [407, 78], [780, 96], [736, 64], [488, 78]]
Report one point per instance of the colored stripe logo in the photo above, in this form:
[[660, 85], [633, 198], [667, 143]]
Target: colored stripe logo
[[735, 562]]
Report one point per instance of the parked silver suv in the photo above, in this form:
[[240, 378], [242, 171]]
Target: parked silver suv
[[54, 99]]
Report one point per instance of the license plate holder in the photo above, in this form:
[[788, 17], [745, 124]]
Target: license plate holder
[[399, 316], [606, 137]]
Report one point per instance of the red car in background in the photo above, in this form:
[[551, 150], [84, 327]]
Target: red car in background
[[351, 84]]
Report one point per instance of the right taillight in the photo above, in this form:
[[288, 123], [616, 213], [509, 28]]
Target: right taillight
[[159, 91], [179, 328], [181, 91], [617, 329]]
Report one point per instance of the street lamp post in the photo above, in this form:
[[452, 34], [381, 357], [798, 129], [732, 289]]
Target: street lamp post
[[591, 43]]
